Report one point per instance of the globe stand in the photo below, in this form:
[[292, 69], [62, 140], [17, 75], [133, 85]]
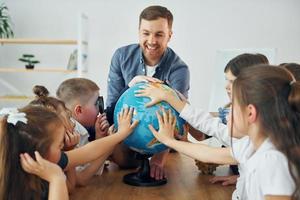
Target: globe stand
[[142, 176]]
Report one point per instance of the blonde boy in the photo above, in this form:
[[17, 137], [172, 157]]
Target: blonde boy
[[81, 97]]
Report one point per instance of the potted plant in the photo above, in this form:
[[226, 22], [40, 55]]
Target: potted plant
[[28, 58], [5, 23]]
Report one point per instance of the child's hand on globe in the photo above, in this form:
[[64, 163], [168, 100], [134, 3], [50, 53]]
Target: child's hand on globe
[[124, 121], [142, 139], [167, 124]]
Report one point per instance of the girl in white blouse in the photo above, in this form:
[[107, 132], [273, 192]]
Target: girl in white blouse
[[266, 108]]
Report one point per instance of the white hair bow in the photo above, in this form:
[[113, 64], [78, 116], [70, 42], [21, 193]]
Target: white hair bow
[[14, 116]]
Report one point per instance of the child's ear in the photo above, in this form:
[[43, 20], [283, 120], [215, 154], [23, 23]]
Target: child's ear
[[77, 110], [252, 113]]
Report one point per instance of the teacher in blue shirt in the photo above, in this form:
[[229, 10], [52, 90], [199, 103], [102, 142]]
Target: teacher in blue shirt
[[150, 60]]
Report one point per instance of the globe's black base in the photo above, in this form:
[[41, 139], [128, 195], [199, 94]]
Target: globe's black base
[[135, 180], [142, 176]]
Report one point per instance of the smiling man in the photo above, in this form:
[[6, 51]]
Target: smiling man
[[149, 60]]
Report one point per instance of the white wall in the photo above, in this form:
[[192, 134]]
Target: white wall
[[201, 27]]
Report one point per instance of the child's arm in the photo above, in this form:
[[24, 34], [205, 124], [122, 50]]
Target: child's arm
[[100, 147], [224, 180], [47, 171], [195, 133], [271, 197], [71, 179], [70, 141], [101, 129], [200, 120], [200, 152], [83, 177]]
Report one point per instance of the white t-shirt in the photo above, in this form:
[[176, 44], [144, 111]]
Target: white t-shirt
[[150, 70], [265, 171], [84, 135], [84, 139]]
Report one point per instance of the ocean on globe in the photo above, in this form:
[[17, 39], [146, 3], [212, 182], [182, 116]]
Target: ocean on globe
[[142, 139]]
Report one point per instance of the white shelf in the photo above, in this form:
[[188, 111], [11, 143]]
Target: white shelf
[[40, 41], [37, 41], [16, 98], [81, 44], [59, 70]]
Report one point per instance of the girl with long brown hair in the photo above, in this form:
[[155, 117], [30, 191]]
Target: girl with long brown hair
[[38, 129], [34, 132]]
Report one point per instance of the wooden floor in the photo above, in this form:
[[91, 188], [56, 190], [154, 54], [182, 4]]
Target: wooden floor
[[184, 182]]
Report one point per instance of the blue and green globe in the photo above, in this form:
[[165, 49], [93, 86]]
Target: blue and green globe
[[142, 139]]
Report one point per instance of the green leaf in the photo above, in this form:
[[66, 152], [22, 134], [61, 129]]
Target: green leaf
[[28, 55], [24, 60], [3, 8], [5, 22]]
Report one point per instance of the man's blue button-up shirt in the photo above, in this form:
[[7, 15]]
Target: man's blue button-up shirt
[[128, 62]]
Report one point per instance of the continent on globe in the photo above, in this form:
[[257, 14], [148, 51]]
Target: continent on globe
[[142, 139]]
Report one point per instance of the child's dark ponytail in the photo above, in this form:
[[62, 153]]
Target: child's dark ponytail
[[40, 91]]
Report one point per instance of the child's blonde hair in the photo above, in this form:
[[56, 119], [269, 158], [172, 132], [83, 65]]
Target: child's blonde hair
[[76, 89]]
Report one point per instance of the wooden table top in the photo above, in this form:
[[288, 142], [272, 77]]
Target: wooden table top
[[184, 182]]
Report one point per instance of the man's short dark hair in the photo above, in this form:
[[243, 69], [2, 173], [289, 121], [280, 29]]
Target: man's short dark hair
[[155, 12]]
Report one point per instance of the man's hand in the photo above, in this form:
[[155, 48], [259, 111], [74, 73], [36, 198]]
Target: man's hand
[[157, 162]]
